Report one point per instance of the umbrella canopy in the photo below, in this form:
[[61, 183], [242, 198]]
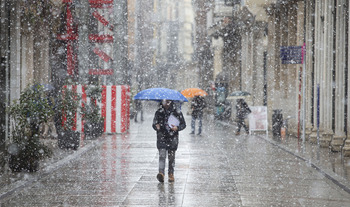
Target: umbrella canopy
[[192, 92], [238, 95], [159, 94]]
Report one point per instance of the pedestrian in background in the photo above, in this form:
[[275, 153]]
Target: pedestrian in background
[[242, 111], [49, 126], [197, 106], [138, 108], [167, 122]]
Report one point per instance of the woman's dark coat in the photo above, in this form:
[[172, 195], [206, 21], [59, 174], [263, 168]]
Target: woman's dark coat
[[167, 138], [242, 109], [197, 106]]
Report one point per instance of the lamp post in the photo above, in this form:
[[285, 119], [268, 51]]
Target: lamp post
[[82, 8], [120, 44]]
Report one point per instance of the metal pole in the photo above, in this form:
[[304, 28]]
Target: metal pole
[[304, 98], [137, 68], [83, 9], [7, 35], [318, 114], [120, 43], [299, 101]]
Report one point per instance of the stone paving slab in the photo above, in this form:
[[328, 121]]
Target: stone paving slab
[[330, 164]]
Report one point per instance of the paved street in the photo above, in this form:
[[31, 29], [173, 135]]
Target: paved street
[[215, 169]]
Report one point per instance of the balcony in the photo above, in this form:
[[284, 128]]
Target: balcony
[[220, 15], [238, 12]]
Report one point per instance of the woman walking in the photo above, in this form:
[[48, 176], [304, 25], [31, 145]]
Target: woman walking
[[242, 111], [168, 121]]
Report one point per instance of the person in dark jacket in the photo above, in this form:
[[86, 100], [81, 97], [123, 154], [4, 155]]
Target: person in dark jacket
[[168, 121], [197, 106], [50, 124], [138, 108], [242, 111]]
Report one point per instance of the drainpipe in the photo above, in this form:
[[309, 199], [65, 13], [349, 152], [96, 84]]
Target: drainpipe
[[120, 42], [7, 62], [83, 38], [304, 73]]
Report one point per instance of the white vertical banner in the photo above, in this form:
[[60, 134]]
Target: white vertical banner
[[108, 103], [118, 121], [79, 117], [114, 108]]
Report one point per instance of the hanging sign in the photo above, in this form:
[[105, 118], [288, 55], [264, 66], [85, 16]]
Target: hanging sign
[[291, 54]]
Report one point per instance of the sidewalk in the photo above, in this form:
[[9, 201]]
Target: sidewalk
[[248, 163], [331, 164], [10, 182], [335, 167], [215, 169]]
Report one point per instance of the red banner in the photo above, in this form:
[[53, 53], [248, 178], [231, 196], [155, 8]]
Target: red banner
[[104, 21], [101, 3], [102, 54], [101, 38]]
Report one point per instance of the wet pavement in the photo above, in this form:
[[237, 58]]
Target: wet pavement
[[215, 169]]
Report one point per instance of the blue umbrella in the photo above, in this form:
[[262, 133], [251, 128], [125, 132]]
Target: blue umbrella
[[158, 94]]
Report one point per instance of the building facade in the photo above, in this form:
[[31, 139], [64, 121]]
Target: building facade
[[168, 28], [25, 52], [254, 63], [34, 48]]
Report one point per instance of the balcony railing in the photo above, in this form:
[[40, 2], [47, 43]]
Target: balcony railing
[[221, 9], [232, 2]]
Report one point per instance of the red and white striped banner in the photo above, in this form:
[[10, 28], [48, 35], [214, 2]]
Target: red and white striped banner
[[115, 108]]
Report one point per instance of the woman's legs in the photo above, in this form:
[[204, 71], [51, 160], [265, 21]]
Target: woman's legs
[[240, 123], [171, 157], [200, 125], [245, 127], [193, 125], [162, 157]]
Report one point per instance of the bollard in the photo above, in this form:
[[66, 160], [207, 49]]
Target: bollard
[[284, 129], [283, 133]]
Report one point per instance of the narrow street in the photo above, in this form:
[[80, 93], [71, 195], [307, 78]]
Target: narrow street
[[215, 169]]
